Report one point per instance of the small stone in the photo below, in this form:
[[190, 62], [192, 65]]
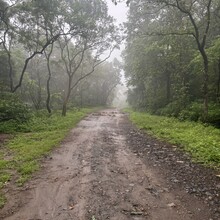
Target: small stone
[[172, 205]]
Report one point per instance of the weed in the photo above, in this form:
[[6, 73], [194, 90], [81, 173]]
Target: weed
[[4, 178], [2, 200]]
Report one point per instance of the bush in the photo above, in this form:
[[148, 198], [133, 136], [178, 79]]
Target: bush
[[193, 112], [12, 108], [214, 114], [202, 141], [172, 109]]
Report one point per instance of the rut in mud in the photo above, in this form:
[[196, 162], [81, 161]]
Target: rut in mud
[[107, 169]]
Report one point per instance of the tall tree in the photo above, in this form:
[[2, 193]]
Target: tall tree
[[168, 21], [97, 35]]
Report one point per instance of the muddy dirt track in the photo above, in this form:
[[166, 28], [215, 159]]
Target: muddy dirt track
[[107, 169]]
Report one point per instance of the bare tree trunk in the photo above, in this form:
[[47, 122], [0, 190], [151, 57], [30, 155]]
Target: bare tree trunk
[[49, 42], [66, 99], [64, 108], [205, 83], [49, 78], [39, 95], [8, 52], [168, 88], [48, 92], [10, 72], [218, 83]]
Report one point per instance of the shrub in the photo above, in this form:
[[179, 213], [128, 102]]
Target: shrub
[[172, 109], [193, 112], [214, 114], [12, 108]]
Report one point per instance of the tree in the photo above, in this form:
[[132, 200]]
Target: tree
[[167, 21], [97, 35], [98, 88]]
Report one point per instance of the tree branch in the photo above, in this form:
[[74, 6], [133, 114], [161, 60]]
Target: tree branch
[[208, 24], [51, 41], [93, 68]]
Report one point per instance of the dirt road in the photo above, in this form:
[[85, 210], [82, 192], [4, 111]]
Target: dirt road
[[107, 169]]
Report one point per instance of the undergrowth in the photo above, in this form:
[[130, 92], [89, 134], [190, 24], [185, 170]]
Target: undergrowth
[[21, 155], [200, 140]]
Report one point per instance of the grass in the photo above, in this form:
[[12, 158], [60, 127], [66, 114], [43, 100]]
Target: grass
[[2, 200], [200, 140], [43, 133]]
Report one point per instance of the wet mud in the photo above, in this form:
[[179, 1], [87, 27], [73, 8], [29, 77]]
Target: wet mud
[[108, 169]]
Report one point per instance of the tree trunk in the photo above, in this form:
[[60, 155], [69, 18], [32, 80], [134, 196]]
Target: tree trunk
[[10, 72], [48, 94], [48, 79], [218, 83], [64, 108], [205, 83], [168, 88], [39, 95], [66, 99], [81, 98]]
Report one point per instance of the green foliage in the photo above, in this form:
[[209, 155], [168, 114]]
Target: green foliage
[[26, 149], [200, 140], [2, 200], [172, 109], [4, 178], [192, 113], [13, 109], [3, 164], [165, 66], [214, 114], [46, 132]]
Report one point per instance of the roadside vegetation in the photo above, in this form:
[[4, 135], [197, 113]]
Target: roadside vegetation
[[172, 59], [172, 68], [50, 76], [202, 141], [30, 141]]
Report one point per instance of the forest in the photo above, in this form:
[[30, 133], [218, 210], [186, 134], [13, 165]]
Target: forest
[[172, 58], [72, 147], [53, 56]]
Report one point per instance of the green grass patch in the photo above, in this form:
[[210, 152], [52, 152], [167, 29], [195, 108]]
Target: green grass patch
[[4, 178], [2, 200], [200, 140], [42, 133], [3, 164]]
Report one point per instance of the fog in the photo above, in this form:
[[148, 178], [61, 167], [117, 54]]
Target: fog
[[119, 12]]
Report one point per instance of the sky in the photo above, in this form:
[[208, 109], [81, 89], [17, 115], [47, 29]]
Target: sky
[[119, 12]]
